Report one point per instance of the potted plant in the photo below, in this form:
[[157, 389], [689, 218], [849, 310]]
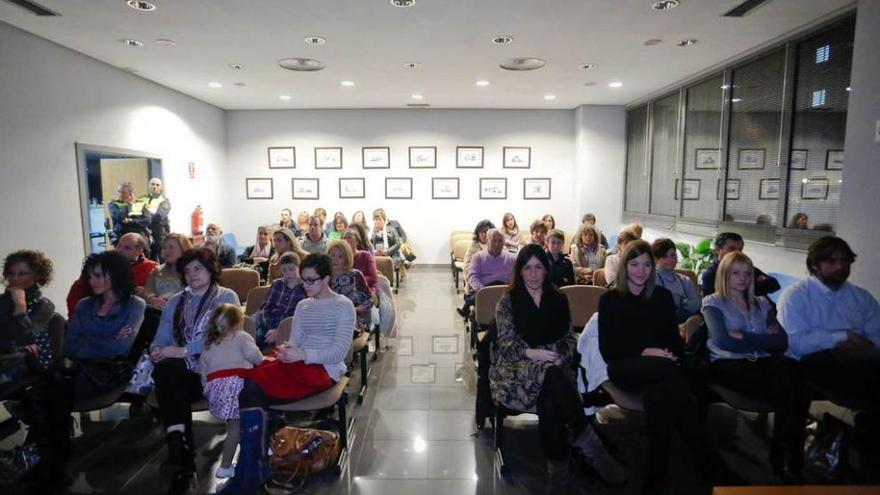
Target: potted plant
[[696, 257]]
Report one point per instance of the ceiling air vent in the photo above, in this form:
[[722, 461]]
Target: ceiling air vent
[[745, 8], [524, 63], [301, 64], [34, 8]]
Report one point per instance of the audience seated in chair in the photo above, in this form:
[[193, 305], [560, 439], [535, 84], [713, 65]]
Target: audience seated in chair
[[262, 249], [385, 239], [561, 269], [176, 349], [350, 282], [587, 254], [287, 221], [281, 301], [315, 241], [164, 281], [284, 241], [364, 261], [590, 219], [533, 369], [214, 241], [833, 328], [638, 338], [489, 267], [684, 294], [512, 235], [103, 326], [311, 361], [729, 242], [479, 243], [612, 261], [745, 346], [340, 225], [538, 231]]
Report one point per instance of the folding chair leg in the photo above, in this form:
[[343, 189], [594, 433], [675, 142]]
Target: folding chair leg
[[365, 374], [499, 441], [396, 278], [341, 404], [377, 335]]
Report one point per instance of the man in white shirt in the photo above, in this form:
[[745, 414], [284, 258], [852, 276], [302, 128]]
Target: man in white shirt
[[833, 328]]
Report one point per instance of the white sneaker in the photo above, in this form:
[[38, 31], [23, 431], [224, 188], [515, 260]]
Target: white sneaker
[[224, 473]]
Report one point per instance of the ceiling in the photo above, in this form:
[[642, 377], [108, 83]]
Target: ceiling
[[369, 41]]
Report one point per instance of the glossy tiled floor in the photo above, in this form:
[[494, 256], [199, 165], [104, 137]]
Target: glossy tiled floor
[[413, 433]]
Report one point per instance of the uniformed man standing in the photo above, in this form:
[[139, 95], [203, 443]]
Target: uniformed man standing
[[157, 207], [127, 214]]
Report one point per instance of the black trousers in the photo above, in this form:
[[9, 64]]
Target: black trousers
[[776, 379], [560, 414], [852, 374], [176, 388], [669, 409]]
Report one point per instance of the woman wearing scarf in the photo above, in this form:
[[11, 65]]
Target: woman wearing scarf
[[533, 368], [176, 349]]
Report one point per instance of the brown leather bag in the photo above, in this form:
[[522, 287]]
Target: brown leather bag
[[288, 459]]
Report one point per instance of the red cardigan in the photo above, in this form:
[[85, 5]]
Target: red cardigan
[[366, 263]]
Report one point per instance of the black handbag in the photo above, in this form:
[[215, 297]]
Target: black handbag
[[104, 373]]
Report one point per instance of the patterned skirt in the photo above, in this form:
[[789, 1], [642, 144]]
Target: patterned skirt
[[222, 395]]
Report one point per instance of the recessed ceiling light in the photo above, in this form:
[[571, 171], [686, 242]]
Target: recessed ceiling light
[[590, 83], [502, 40], [665, 4], [652, 42], [284, 97], [725, 86], [848, 88], [314, 40], [347, 84], [165, 42], [736, 100], [523, 63], [589, 66], [416, 96], [131, 42], [403, 3], [301, 64], [615, 84], [483, 83], [412, 65], [140, 5], [214, 84], [687, 42], [549, 97], [236, 66]]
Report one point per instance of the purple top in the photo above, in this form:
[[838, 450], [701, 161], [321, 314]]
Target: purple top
[[485, 268]]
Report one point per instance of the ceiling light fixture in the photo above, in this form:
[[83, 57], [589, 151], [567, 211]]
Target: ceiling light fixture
[[523, 63], [549, 97], [131, 42], [301, 64], [652, 42], [665, 5], [848, 88], [416, 96], [347, 84], [502, 40], [482, 83], [403, 3], [736, 100], [412, 65], [615, 84], [140, 5], [236, 66], [589, 66], [284, 97], [687, 42], [215, 85], [165, 42], [314, 40]]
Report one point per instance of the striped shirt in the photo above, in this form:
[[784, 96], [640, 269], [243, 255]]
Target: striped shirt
[[324, 328]]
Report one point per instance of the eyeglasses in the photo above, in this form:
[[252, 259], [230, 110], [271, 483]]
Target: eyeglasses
[[310, 281]]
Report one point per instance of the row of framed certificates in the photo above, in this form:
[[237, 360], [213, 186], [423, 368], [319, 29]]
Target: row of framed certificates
[[811, 188], [397, 188], [379, 157], [755, 159]]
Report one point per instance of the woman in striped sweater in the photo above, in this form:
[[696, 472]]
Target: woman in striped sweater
[[312, 360]]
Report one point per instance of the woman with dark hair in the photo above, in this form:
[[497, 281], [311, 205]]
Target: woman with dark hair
[[532, 369], [512, 235], [359, 218], [638, 339], [479, 243], [176, 349], [312, 360], [340, 225], [684, 293], [363, 258], [24, 312], [587, 254], [549, 222]]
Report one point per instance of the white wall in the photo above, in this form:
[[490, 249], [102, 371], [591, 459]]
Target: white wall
[[860, 201], [51, 98], [600, 162], [428, 222]]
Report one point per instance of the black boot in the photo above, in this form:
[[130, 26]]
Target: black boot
[[180, 456]]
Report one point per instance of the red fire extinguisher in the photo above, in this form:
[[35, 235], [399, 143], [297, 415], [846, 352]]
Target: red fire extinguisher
[[196, 220]]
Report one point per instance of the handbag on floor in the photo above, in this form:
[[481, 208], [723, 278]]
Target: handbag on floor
[[300, 452]]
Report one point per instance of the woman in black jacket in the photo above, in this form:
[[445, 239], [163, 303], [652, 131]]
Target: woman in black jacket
[[638, 338]]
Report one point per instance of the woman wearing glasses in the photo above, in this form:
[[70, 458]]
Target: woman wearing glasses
[[312, 360]]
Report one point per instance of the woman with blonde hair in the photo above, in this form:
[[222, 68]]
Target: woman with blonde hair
[[746, 345], [261, 251], [284, 241], [639, 340], [587, 255], [350, 282], [512, 235], [612, 262], [228, 349]]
